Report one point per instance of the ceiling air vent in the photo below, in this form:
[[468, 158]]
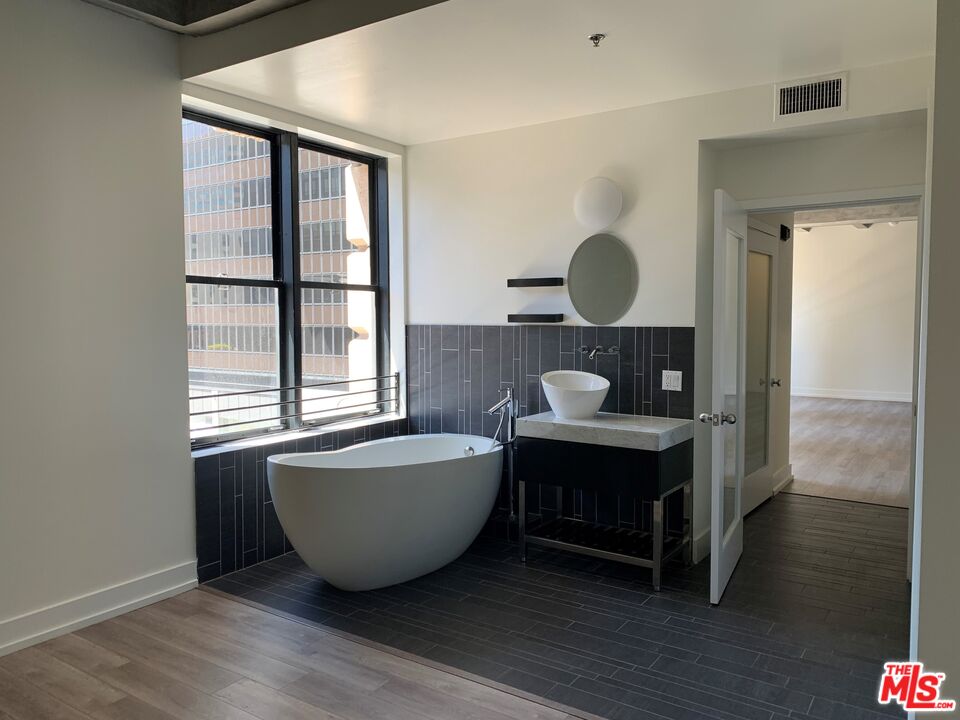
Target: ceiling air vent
[[813, 94]]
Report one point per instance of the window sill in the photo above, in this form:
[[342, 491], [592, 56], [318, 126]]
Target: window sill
[[283, 436]]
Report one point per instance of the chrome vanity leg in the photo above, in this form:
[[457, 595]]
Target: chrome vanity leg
[[657, 542], [510, 463], [688, 523], [522, 520]]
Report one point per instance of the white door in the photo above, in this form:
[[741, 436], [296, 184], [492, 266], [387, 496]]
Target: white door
[[729, 367], [762, 384]]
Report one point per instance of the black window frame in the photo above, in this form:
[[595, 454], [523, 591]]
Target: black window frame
[[287, 278]]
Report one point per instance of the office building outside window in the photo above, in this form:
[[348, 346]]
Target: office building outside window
[[247, 347]]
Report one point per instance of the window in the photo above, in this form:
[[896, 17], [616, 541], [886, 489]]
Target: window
[[286, 280], [338, 256]]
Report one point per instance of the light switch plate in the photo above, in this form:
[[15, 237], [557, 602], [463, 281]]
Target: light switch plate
[[672, 380]]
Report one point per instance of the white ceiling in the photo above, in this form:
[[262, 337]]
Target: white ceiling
[[470, 66], [858, 215]]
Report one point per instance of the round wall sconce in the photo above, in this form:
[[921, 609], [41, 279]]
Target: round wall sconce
[[598, 203]]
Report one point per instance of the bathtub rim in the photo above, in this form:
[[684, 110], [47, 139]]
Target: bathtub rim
[[280, 458]]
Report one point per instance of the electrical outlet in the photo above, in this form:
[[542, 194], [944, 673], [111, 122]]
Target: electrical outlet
[[672, 380]]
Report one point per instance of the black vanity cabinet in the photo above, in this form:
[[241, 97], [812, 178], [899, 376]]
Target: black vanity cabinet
[[649, 459]]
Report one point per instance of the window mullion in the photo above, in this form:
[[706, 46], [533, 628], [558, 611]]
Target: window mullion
[[380, 233], [286, 198]]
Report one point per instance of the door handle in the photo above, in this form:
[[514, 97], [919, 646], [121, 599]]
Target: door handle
[[775, 382], [718, 419]]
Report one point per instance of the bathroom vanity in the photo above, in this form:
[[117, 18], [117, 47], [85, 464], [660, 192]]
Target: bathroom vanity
[[632, 456]]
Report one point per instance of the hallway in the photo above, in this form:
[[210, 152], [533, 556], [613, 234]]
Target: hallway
[[851, 450]]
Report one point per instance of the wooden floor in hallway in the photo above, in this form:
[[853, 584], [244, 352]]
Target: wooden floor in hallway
[[851, 449], [201, 656]]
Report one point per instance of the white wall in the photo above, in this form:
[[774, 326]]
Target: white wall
[[854, 293], [872, 158], [96, 490], [936, 583], [488, 207]]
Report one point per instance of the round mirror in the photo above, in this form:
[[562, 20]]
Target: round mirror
[[602, 279]]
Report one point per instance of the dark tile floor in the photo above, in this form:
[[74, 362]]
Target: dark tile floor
[[817, 603]]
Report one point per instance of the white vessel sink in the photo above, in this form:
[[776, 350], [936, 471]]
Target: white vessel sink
[[574, 395]]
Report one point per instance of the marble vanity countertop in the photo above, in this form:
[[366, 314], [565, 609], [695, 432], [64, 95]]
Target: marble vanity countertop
[[638, 432]]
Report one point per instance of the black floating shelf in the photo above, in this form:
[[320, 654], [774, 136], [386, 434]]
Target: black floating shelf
[[534, 282], [536, 318]]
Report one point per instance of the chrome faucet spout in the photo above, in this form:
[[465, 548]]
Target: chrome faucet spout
[[500, 405], [593, 353], [508, 415]]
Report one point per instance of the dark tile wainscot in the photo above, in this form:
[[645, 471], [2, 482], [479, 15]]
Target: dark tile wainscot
[[237, 525], [455, 372]]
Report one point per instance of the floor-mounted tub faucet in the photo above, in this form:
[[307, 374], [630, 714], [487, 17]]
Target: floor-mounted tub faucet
[[508, 414], [500, 405], [507, 410]]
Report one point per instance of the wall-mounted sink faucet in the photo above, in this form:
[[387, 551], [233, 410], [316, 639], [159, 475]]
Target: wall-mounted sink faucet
[[591, 353]]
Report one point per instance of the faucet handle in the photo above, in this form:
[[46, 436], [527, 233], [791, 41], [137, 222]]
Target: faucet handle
[[613, 350]]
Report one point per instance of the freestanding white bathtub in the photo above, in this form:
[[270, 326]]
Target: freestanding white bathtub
[[385, 511]]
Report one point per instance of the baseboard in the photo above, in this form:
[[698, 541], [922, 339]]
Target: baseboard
[[851, 394], [701, 545], [782, 478], [34, 627]]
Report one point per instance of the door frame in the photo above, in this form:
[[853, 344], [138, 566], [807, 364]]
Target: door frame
[[901, 193]]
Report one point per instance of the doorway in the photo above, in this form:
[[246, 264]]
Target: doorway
[[831, 353], [859, 290], [823, 579], [852, 367]]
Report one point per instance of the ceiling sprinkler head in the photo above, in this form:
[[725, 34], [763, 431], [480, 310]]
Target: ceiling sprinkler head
[[596, 38]]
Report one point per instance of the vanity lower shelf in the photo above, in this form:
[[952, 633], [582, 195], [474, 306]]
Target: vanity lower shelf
[[646, 459], [603, 541]]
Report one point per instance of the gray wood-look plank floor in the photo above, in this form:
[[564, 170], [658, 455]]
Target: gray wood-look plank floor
[[851, 449], [201, 656], [817, 603]]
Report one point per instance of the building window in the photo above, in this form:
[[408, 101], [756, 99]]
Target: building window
[[286, 280]]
